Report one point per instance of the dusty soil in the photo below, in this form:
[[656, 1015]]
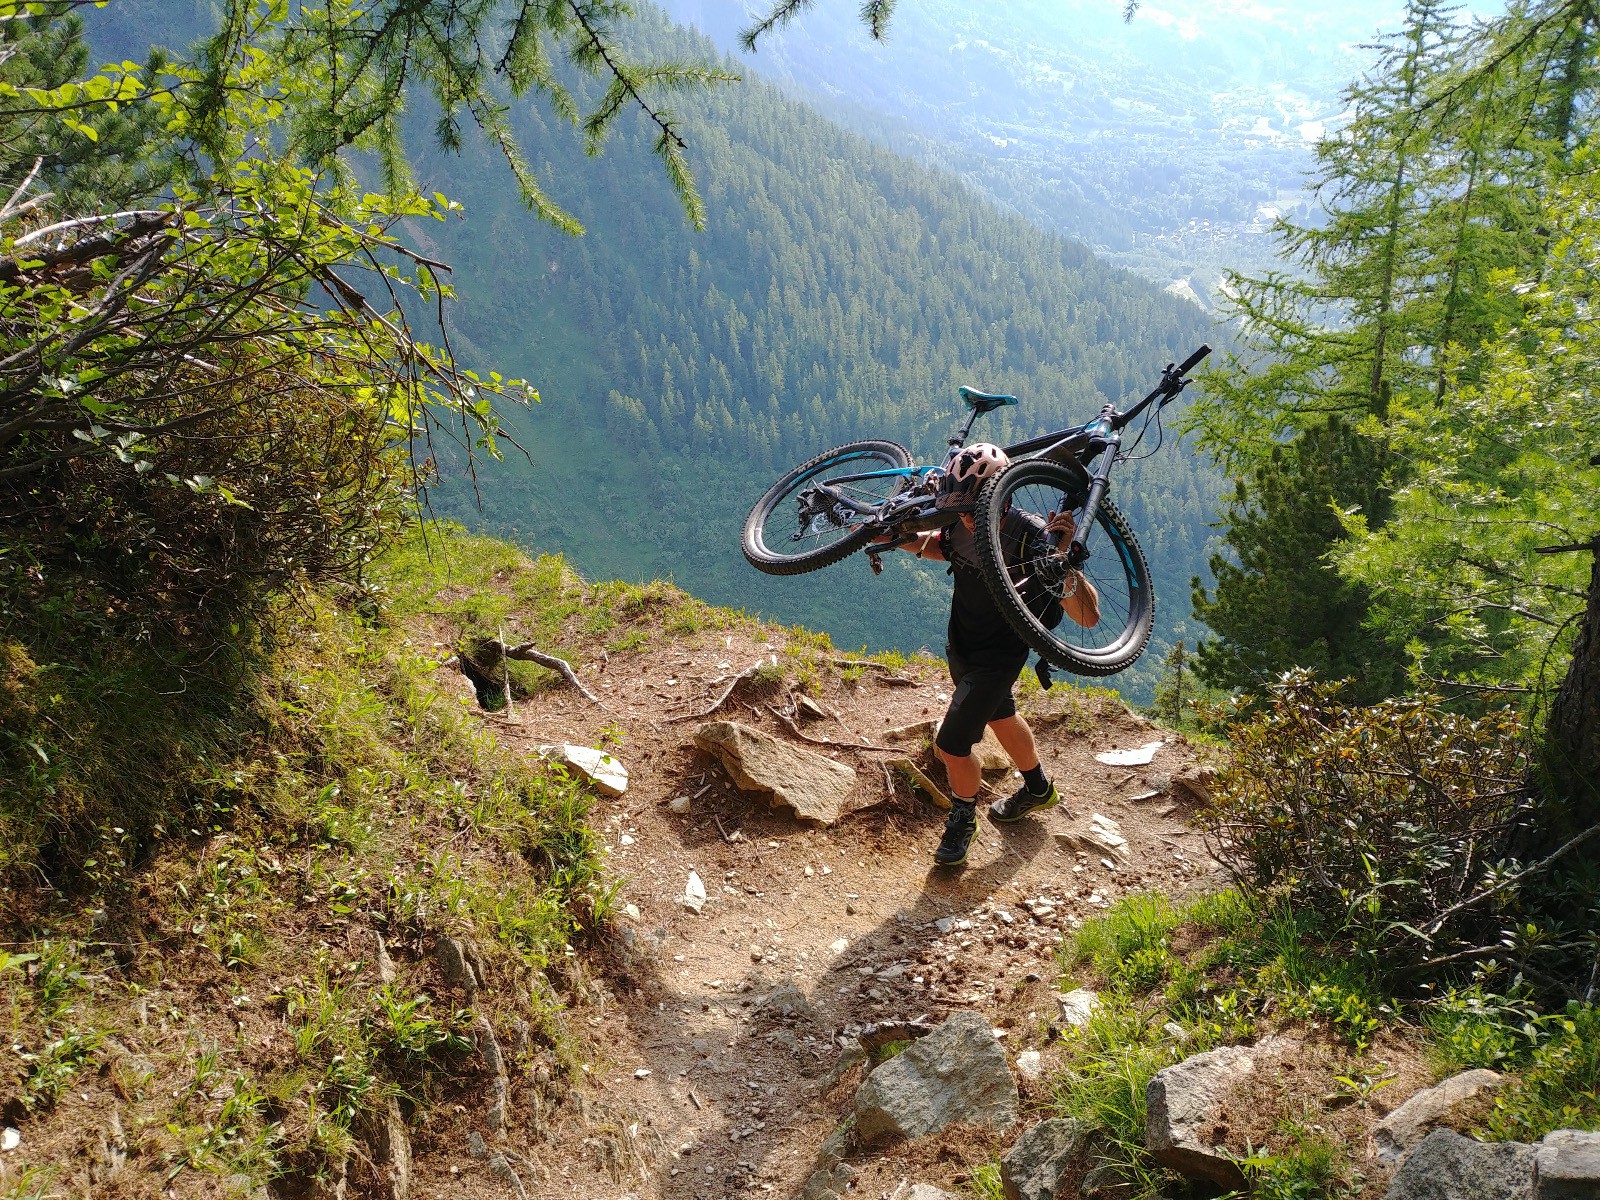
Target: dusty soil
[[706, 1092]]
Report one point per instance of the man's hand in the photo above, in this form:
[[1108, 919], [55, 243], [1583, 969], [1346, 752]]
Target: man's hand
[[1061, 527]]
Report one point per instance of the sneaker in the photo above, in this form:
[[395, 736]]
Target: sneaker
[[1014, 808], [959, 827]]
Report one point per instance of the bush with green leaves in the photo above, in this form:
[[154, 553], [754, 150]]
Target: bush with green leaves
[[1395, 824]]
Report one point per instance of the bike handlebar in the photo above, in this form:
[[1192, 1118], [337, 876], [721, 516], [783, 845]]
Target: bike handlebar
[[1172, 382], [1193, 360]]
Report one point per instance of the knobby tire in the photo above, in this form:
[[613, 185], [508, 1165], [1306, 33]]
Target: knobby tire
[[1127, 600], [859, 457]]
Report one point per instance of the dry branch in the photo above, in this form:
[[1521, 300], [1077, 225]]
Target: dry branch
[[526, 653], [748, 673], [794, 728]]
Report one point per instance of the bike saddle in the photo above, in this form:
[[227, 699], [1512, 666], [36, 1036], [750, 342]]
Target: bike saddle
[[985, 401]]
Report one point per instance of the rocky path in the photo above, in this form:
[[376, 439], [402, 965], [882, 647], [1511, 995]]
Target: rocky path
[[715, 1044]]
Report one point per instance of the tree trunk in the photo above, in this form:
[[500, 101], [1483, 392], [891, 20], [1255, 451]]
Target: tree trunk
[[1572, 737]]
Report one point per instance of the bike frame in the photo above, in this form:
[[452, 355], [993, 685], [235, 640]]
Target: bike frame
[[1081, 446]]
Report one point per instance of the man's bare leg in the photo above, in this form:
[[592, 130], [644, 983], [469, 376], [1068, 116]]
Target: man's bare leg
[[964, 774], [1017, 740]]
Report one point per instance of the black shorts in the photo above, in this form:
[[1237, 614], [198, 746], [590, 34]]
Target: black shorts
[[982, 694]]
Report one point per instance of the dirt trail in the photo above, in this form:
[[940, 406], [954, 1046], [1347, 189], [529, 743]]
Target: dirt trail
[[699, 1090]]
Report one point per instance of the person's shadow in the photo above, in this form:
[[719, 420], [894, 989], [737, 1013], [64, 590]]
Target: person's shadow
[[828, 1008]]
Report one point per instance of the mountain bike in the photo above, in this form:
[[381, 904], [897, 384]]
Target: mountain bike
[[870, 494]]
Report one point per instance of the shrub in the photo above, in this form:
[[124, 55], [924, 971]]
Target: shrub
[[1394, 824]]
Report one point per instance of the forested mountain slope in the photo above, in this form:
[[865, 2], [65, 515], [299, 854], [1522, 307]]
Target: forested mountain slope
[[838, 292]]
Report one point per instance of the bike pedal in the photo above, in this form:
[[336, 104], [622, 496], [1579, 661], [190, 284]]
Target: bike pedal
[[877, 564]]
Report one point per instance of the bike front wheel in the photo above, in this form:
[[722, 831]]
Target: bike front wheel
[[795, 528], [1029, 577]]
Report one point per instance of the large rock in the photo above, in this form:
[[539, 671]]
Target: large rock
[[1394, 1137], [1447, 1166], [1034, 1168], [813, 786], [957, 1073], [1566, 1166], [1187, 1113]]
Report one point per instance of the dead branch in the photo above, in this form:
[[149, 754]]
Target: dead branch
[[748, 673], [794, 728], [526, 653], [889, 677], [1438, 923]]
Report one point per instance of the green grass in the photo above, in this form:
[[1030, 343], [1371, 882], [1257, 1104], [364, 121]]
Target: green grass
[[325, 791]]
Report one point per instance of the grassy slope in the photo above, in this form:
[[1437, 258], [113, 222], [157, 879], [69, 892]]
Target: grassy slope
[[197, 886]]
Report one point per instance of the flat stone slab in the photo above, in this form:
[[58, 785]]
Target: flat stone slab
[[1139, 756], [813, 786], [606, 773], [1397, 1135], [1447, 1166], [957, 1073], [1566, 1166]]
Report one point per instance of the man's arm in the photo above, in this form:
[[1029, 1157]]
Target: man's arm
[[1082, 602], [924, 545]]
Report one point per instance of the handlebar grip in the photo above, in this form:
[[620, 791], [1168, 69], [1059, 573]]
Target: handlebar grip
[[1193, 360]]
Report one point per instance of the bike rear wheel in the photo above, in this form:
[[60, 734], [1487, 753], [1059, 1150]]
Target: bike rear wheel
[[1115, 568], [792, 529]]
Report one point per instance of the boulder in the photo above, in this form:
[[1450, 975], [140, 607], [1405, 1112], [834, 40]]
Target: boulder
[[1034, 1168], [1139, 756], [455, 960], [392, 1145], [1197, 782], [1447, 1166], [830, 1180], [1397, 1134], [787, 1002], [607, 774], [957, 1073], [1187, 1111], [1566, 1166], [813, 786]]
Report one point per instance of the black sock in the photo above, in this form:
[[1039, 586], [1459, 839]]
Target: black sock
[[1037, 783], [959, 801]]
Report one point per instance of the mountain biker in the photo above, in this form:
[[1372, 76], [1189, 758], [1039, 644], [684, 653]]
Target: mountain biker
[[986, 656]]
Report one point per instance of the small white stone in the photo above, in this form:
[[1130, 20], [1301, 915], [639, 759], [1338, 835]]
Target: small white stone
[[631, 911], [642, 1073], [1029, 1064], [626, 840], [694, 893], [678, 804], [944, 924], [10, 1139], [840, 946]]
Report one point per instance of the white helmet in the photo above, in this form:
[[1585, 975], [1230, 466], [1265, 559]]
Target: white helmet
[[972, 466]]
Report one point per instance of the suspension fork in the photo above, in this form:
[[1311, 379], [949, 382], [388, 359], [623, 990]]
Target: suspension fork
[[1098, 483]]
